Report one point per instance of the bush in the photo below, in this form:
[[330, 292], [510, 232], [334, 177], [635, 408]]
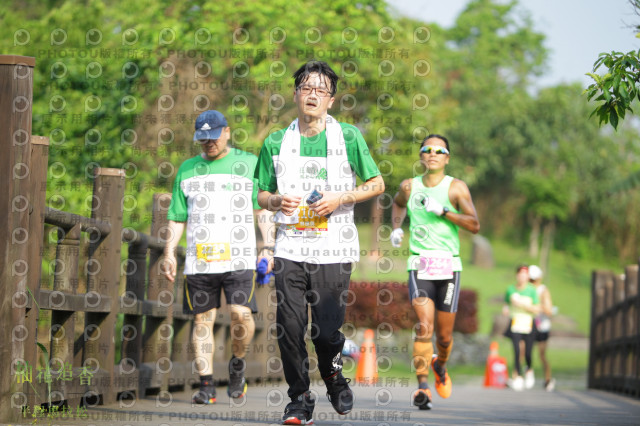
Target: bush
[[373, 303]]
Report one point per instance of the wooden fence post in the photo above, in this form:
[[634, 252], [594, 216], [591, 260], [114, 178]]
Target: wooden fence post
[[37, 200], [158, 330], [16, 96], [65, 281], [136, 282], [103, 278], [597, 308], [631, 333]]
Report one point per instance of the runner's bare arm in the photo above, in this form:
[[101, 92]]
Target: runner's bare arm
[[169, 264], [460, 197], [546, 303], [266, 225], [399, 206]]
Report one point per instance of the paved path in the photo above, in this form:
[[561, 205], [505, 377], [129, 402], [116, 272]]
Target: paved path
[[387, 405]]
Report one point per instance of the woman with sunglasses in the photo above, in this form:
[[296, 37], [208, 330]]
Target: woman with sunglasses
[[438, 205]]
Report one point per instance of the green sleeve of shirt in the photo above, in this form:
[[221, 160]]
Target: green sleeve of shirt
[[358, 153], [507, 295], [265, 173], [178, 207]]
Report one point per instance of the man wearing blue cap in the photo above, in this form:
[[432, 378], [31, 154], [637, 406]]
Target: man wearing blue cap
[[214, 196]]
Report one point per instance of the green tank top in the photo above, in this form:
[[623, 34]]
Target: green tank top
[[427, 230]]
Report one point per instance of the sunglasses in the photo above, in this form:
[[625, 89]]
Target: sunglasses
[[435, 149]]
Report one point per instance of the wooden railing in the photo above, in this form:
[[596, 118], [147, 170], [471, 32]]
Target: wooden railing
[[614, 356], [73, 361]]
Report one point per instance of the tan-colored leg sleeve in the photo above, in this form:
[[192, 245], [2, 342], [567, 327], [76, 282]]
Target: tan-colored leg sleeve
[[422, 352]]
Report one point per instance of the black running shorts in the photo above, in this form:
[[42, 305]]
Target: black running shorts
[[202, 291], [444, 293]]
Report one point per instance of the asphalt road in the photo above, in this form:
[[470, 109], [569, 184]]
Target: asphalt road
[[386, 405]]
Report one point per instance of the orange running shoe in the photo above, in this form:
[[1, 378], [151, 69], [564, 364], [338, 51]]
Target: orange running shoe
[[443, 381]]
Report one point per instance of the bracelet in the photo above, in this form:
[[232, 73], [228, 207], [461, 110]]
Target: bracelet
[[271, 248]]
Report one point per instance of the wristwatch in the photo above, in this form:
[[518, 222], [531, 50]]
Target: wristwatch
[[445, 210]]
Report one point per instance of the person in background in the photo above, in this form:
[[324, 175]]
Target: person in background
[[542, 323], [522, 305]]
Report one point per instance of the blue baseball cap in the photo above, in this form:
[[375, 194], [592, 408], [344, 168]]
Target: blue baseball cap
[[209, 125]]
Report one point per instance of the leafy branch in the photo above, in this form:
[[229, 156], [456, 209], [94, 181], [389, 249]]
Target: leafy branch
[[615, 90]]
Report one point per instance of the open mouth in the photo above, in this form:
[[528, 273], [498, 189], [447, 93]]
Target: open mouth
[[311, 103]]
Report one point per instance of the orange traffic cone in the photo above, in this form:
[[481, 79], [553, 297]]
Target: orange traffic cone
[[495, 374], [367, 371]]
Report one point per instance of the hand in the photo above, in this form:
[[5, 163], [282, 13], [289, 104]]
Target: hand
[[169, 266], [289, 204], [432, 205], [327, 204], [396, 237], [269, 258]]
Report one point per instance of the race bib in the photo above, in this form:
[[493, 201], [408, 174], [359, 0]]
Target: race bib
[[435, 265], [309, 224], [521, 323], [213, 252]]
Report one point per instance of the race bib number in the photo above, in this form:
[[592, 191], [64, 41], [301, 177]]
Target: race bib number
[[309, 223], [435, 265], [521, 323], [213, 252]]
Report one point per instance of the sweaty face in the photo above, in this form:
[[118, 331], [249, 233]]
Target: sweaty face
[[309, 101]]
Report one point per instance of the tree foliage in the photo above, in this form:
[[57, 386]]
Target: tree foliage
[[616, 90], [114, 90]]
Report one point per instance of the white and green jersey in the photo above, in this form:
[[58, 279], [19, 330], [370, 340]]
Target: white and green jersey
[[328, 161], [216, 199]]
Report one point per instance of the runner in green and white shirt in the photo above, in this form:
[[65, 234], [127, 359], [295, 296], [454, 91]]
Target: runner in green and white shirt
[[317, 241], [214, 197]]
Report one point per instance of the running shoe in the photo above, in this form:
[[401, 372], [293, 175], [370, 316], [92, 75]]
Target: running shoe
[[300, 410], [529, 379], [206, 394], [339, 393], [517, 384], [422, 397], [550, 385], [237, 383], [443, 381]]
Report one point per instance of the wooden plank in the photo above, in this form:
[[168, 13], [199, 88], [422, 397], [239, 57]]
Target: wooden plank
[[158, 331], [104, 273], [59, 301], [65, 281], [27, 61], [136, 281], [16, 97], [66, 220], [37, 200]]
